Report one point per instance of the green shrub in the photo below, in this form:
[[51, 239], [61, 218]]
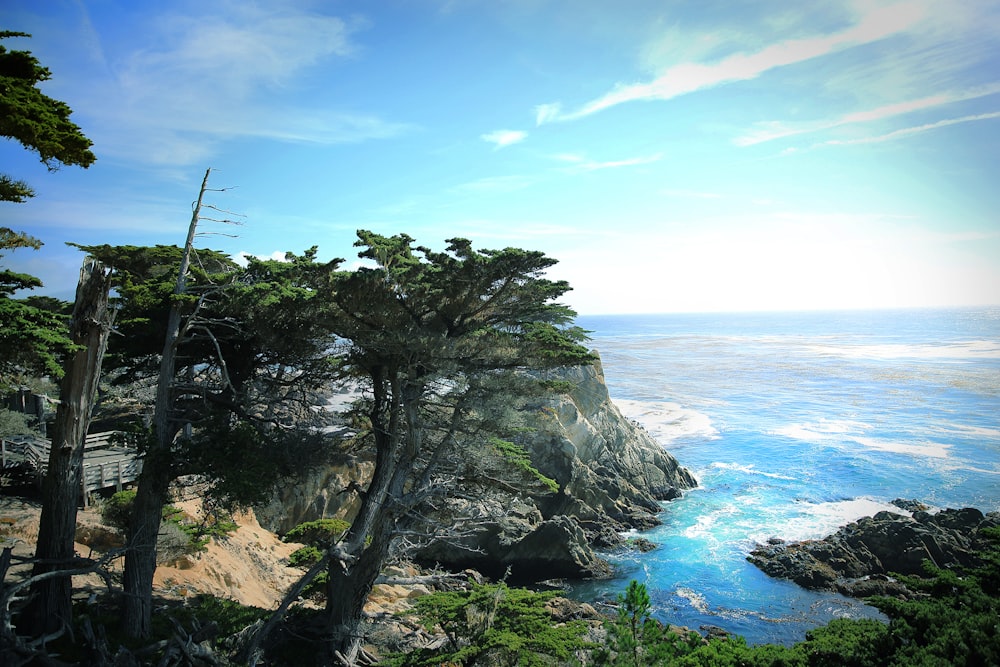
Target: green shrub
[[305, 557], [319, 533], [117, 513], [518, 456], [495, 624]]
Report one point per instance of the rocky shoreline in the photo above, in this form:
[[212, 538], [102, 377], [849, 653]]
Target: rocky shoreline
[[860, 559]]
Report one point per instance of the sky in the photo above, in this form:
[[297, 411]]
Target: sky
[[673, 156]]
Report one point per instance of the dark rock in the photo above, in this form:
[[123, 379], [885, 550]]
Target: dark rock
[[714, 632], [857, 559], [641, 544], [910, 505]]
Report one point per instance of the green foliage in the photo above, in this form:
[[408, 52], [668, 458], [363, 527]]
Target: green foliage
[[518, 456], [955, 620], [34, 332], [305, 557], [495, 624], [38, 122], [316, 535], [319, 533], [14, 423], [266, 457], [117, 513], [635, 638], [557, 386], [851, 643]]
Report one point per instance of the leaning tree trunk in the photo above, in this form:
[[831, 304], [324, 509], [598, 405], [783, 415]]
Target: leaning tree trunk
[[154, 480], [348, 585], [51, 605]]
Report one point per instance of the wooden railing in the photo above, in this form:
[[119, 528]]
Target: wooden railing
[[105, 465]]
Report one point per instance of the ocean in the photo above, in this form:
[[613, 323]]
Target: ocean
[[795, 424]]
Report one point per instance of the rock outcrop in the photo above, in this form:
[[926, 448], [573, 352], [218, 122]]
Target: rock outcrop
[[611, 474], [859, 558]]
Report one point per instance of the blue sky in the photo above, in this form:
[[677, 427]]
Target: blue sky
[[673, 156]]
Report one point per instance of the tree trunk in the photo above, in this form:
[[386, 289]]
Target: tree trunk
[[154, 480], [397, 448], [348, 587], [51, 605], [140, 558]]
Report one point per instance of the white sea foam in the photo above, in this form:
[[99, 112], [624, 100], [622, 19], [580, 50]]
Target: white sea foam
[[971, 349], [704, 525], [749, 470], [668, 421], [821, 431], [846, 432], [966, 430], [697, 600], [810, 521], [933, 450]]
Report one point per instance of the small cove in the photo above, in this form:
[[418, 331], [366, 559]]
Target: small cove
[[795, 424]]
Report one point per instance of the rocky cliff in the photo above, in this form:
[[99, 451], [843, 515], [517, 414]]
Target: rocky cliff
[[857, 559], [611, 474]]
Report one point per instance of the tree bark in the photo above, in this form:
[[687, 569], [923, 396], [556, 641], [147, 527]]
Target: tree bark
[[370, 537], [154, 480], [348, 587], [51, 605]]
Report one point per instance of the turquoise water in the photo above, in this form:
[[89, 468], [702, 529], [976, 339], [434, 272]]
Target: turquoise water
[[795, 424]]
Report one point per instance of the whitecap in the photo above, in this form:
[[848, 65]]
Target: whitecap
[[750, 470], [696, 600], [970, 349], [810, 521], [935, 450]]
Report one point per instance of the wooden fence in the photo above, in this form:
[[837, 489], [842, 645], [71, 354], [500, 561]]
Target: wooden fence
[[105, 465]]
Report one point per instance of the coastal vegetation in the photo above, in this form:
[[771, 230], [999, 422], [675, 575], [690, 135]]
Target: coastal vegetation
[[951, 617], [219, 371]]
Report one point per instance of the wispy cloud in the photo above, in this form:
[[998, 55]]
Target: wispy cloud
[[503, 138], [910, 131], [494, 184], [873, 25], [231, 71], [771, 130], [581, 163]]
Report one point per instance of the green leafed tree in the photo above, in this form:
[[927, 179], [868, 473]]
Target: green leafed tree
[[249, 349], [36, 121], [422, 332], [34, 333], [33, 339]]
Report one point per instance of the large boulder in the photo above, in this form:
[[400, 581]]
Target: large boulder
[[858, 559]]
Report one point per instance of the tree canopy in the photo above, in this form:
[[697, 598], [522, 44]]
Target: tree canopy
[[423, 332], [33, 332], [36, 121]]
